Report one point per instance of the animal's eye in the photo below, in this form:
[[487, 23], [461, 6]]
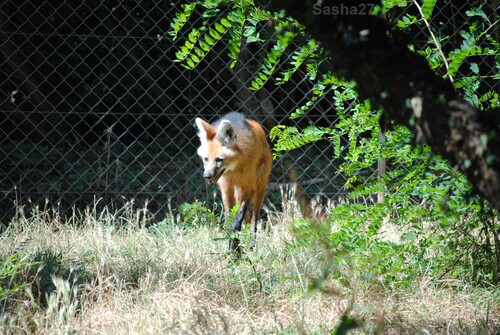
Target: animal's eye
[[205, 159], [219, 160]]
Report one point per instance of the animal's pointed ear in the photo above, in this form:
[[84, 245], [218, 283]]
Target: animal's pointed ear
[[226, 134], [205, 130]]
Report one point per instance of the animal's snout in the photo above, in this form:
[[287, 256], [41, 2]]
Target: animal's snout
[[211, 176], [208, 174]]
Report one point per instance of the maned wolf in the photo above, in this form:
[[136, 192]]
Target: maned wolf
[[236, 156]]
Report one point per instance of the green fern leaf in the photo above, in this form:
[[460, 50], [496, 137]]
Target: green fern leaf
[[273, 57], [427, 8], [181, 18]]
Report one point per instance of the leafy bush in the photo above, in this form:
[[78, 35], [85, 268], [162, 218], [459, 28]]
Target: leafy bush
[[196, 214], [12, 277], [462, 65]]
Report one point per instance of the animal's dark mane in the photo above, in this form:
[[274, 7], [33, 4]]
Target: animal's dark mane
[[237, 120]]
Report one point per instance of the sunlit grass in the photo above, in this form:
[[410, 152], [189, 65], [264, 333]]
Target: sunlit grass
[[114, 273]]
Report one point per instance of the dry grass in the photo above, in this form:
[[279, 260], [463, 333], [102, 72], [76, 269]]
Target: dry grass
[[129, 279]]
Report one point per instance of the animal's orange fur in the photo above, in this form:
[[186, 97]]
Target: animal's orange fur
[[246, 164]]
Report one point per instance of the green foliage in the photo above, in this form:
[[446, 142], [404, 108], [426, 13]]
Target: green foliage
[[181, 18], [355, 117], [427, 8], [289, 138], [298, 58], [273, 58], [244, 21], [196, 214], [51, 265], [429, 204], [201, 40], [478, 42], [12, 269], [33, 276]]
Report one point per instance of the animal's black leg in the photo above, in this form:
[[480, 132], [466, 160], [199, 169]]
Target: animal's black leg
[[240, 217], [234, 244]]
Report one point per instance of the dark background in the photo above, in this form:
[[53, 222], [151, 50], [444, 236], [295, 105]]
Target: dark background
[[94, 111]]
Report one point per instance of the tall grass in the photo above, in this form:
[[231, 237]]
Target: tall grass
[[111, 272]]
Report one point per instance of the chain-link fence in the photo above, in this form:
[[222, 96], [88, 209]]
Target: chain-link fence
[[94, 110]]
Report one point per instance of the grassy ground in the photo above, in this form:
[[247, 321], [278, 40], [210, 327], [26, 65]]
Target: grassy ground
[[108, 274]]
